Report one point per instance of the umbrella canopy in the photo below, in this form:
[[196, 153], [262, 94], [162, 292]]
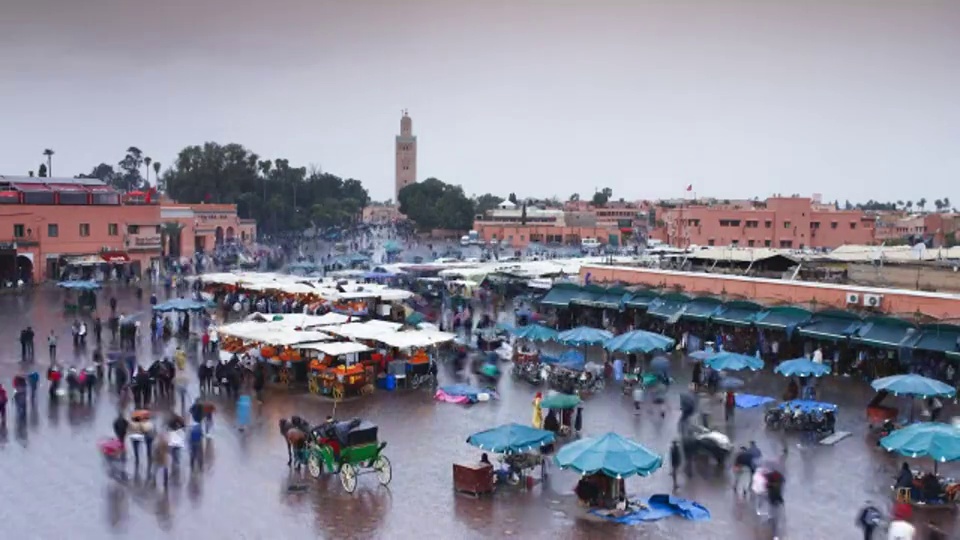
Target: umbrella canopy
[[934, 440], [505, 327], [639, 341], [180, 304], [511, 438], [79, 285], [559, 401], [610, 454], [583, 335], [702, 355], [913, 385], [728, 361], [801, 367], [535, 332], [570, 360]]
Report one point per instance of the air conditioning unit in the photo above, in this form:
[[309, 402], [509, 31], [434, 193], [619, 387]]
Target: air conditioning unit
[[853, 298], [872, 300]]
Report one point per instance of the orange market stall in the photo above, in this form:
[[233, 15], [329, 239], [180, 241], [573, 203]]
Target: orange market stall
[[338, 371]]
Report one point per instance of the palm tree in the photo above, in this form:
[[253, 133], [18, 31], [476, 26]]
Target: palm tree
[[170, 231], [156, 173], [49, 153], [147, 161], [921, 203], [938, 204], [946, 202]]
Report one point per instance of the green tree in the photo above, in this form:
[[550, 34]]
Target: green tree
[[601, 197], [574, 198], [938, 204], [130, 178], [146, 162], [433, 204], [486, 202], [921, 203]]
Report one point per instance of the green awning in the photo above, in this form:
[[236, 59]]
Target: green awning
[[943, 338], [737, 313], [781, 318], [560, 295], [589, 295], [668, 307], [640, 299], [885, 332], [833, 326], [700, 309]]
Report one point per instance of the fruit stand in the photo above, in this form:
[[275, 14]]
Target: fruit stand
[[338, 372]]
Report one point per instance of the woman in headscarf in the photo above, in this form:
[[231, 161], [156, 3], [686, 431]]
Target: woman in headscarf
[[537, 411]]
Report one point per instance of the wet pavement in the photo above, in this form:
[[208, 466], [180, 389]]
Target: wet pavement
[[54, 482]]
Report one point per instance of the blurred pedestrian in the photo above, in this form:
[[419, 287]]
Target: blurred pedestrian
[[243, 411], [868, 520], [537, 411], [675, 461], [52, 345], [161, 458], [3, 405], [196, 447]]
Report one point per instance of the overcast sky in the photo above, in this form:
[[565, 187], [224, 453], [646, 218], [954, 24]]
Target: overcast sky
[[851, 99]]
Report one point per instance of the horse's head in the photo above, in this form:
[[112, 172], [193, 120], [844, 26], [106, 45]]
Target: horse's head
[[284, 425]]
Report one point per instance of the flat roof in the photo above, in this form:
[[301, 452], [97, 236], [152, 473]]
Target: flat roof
[[13, 179]]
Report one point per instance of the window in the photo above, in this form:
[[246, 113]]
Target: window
[[786, 224], [734, 243], [711, 242], [750, 243], [766, 243], [801, 246], [786, 244], [84, 229], [853, 225], [18, 230], [53, 230], [729, 222], [113, 229], [133, 229], [814, 224], [768, 224], [752, 224], [833, 224]]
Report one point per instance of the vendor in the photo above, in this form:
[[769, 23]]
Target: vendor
[[905, 478], [587, 492]]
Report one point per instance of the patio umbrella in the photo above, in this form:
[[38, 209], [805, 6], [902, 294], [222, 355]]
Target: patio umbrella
[[801, 367], [535, 332], [935, 440], [913, 385], [505, 327], [583, 335], [702, 355], [558, 401], [728, 361], [511, 438], [639, 341], [610, 454]]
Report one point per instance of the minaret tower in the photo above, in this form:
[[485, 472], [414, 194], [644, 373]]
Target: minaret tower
[[406, 155]]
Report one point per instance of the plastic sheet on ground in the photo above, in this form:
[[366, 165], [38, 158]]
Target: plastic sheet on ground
[[463, 394], [658, 507], [750, 401]]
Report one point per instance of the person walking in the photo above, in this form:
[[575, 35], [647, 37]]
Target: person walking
[[868, 520], [52, 345], [196, 447], [137, 438], [675, 461], [161, 459], [243, 411], [3, 405]]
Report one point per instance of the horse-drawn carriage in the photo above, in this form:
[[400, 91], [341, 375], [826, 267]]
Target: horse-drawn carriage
[[348, 449]]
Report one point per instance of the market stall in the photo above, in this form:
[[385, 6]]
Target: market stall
[[338, 372]]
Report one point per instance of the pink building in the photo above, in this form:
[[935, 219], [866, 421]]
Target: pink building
[[203, 226], [779, 222]]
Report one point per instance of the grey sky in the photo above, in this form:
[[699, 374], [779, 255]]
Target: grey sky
[[852, 99]]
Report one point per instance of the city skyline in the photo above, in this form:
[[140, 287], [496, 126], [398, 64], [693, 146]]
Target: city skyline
[[740, 100]]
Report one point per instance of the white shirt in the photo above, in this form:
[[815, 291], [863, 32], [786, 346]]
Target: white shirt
[[177, 438], [901, 530], [818, 356]]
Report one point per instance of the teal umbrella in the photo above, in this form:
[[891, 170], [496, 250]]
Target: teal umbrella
[[639, 341], [557, 401], [415, 318], [801, 367], [583, 335], [535, 332], [935, 440], [913, 385], [729, 361], [511, 438], [610, 454]]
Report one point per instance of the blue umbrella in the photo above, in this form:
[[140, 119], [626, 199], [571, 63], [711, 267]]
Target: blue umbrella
[[180, 304], [535, 332], [570, 360], [610, 454], [729, 361], [935, 440], [801, 367], [505, 327], [639, 341], [79, 285], [702, 355], [583, 335], [913, 385], [511, 438]]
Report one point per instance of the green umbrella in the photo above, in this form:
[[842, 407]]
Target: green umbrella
[[560, 401]]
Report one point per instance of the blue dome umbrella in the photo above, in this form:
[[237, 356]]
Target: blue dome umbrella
[[639, 341], [729, 361], [511, 439], [801, 367], [913, 385], [583, 336], [937, 441], [535, 332], [610, 454]]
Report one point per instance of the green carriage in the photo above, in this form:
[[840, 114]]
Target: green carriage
[[357, 456]]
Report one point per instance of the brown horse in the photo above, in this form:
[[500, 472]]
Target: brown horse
[[294, 431]]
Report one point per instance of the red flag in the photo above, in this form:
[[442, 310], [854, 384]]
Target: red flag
[[690, 187]]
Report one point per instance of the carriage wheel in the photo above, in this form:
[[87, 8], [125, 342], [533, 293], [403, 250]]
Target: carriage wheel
[[348, 477], [314, 466], [384, 470], [314, 385], [337, 392]]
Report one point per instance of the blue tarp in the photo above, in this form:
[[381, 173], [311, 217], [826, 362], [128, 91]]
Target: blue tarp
[[79, 285], [750, 401], [658, 507], [807, 406], [571, 359]]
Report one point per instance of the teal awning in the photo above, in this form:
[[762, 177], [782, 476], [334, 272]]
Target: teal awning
[[781, 318], [833, 326], [737, 313], [640, 299], [885, 332], [560, 295], [943, 338], [700, 309], [668, 307], [602, 298]]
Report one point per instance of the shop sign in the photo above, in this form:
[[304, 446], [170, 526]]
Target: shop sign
[[148, 241]]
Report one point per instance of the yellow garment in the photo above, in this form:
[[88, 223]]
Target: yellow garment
[[537, 414], [180, 358]]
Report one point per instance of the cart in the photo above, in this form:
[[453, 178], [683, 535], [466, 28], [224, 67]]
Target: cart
[[361, 454]]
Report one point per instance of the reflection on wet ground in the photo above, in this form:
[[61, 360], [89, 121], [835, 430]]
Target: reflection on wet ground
[[52, 468]]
